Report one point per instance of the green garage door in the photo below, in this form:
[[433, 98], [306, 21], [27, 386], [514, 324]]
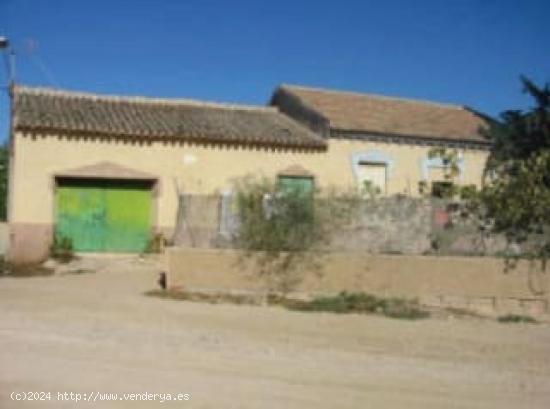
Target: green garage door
[[104, 215]]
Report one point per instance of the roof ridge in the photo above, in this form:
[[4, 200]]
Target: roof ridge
[[140, 99], [377, 96]]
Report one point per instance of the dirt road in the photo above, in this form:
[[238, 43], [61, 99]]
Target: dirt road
[[95, 332]]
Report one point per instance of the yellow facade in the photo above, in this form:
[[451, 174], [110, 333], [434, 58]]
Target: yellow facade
[[207, 169]]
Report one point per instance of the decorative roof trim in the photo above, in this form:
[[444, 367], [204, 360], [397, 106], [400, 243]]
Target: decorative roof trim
[[406, 140], [295, 171], [144, 138]]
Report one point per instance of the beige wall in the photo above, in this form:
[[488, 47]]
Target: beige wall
[[466, 282], [197, 169]]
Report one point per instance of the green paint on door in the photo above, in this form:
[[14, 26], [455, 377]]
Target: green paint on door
[[104, 215], [303, 184]]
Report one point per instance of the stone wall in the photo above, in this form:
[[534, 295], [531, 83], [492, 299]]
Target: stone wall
[[392, 225], [395, 225]]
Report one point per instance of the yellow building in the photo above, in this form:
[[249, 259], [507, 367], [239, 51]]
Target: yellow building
[[386, 140], [107, 171]]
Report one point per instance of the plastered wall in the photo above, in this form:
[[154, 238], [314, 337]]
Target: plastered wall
[[193, 168], [479, 283], [200, 169]]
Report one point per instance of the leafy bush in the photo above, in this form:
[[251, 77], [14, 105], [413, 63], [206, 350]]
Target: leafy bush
[[284, 229], [274, 220]]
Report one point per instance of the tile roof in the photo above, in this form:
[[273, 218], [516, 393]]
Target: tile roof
[[367, 113], [43, 109]]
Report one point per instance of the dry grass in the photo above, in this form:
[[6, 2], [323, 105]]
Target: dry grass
[[342, 303]]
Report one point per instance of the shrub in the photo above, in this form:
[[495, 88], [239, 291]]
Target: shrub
[[62, 249], [342, 303], [401, 308], [516, 318], [156, 244], [362, 303], [284, 229]]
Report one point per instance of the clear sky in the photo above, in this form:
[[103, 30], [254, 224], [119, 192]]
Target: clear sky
[[466, 52]]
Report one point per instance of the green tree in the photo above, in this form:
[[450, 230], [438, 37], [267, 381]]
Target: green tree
[[515, 199], [521, 134], [516, 202]]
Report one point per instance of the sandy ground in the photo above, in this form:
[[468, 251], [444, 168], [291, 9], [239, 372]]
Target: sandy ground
[[96, 332]]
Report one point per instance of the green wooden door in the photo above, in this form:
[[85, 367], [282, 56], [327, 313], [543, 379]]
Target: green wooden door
[[103, 215], [297, 183]]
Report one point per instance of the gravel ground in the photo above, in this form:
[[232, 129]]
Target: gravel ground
[[91, 332]]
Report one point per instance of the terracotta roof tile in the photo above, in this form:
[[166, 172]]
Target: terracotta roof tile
[[355, 112], [42, 109]]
